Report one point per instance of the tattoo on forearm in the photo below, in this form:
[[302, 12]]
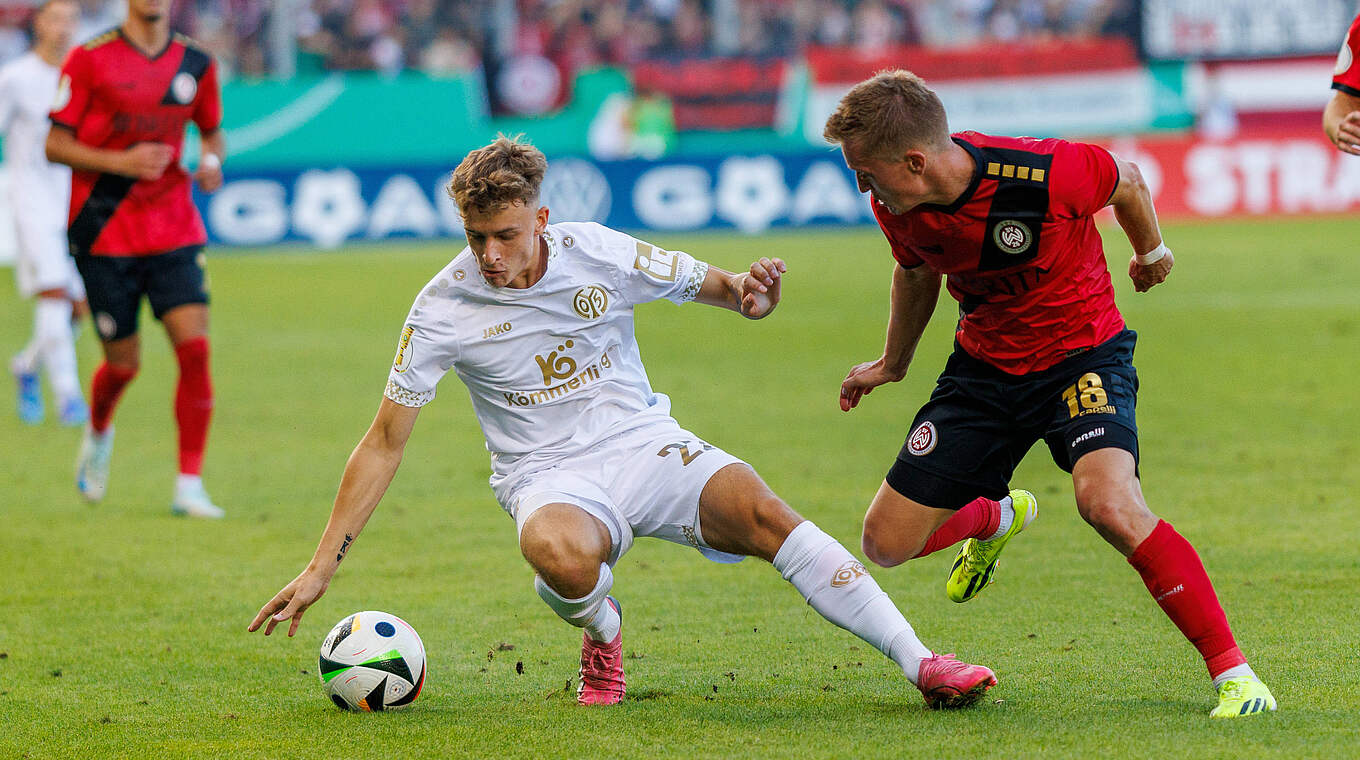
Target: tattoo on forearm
[[344, 547]]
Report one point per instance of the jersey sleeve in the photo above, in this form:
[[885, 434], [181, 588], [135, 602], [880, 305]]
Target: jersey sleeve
[[648, 273], [208, 104], [73, 90], [1346, 77], [1082, 179], [900, 250], [426, 350]]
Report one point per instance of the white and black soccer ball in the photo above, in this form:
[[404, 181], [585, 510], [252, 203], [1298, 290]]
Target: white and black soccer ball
[[372, 661]]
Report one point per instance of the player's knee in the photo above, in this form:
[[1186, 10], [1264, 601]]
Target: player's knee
[[772, 520], [565, 561], [881, 549], [1108, 510]]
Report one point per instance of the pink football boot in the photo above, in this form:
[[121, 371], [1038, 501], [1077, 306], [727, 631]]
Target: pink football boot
[[947, 683], [602, 668]]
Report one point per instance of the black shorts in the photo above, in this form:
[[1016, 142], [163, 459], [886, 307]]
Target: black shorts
[[978, 424], [115, 285]]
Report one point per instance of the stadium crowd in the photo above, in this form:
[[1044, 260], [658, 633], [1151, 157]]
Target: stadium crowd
[[249, 37]]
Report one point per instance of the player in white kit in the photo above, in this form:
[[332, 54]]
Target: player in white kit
[[38, 196], [537, 321]]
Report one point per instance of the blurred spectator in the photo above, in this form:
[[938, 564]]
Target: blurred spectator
[[445, 37]]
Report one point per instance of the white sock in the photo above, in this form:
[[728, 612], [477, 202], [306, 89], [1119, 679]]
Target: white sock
[[26, 361], [1236, 671], [1007, 518], [56, 346], [184, 482], [836, 585], [591, 612]]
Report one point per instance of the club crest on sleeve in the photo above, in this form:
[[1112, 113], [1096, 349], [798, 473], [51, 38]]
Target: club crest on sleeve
[[923, 439], [403, 360], [1012, 237], [590, 302]]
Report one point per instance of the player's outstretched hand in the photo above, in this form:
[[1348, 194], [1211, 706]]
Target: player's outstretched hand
[[862, 379], [1348, 134], [147, 160], [290, 602], [760, 287], [1145, 276]]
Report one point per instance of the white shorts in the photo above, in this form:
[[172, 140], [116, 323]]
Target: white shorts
[[43, 261], [645, 482]]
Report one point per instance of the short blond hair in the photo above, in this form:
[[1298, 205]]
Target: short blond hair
[[507, 171], [889, 114]]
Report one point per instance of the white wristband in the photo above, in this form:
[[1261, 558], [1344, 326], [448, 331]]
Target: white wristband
[[210, 161], [1153, 256]]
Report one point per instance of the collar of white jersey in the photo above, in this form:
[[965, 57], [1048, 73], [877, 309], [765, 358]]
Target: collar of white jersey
[[554, 247]]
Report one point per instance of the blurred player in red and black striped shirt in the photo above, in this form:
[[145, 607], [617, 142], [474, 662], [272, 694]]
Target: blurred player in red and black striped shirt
[[1041, 351], [1341, 119], [123, 101]]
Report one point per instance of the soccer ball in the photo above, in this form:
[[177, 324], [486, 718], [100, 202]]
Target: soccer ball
[[372, 661]]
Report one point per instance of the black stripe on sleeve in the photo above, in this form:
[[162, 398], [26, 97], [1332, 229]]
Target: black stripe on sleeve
[[195, 64], [106, 195], [1346, 89], [1019, 206]]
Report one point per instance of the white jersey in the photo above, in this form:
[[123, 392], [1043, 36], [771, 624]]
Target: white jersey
[[552, 368], [28, 87]]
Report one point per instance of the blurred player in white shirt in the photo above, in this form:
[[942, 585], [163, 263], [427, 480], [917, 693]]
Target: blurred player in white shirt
[[537, 320], [38, 196]]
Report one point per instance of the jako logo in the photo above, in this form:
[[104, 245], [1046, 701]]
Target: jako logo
[[847, 574], [556, 367], [495, 330]]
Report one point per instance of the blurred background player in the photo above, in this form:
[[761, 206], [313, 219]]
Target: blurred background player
[[1041, 351], [585, 456], [123, 101], [38, 193], [1341, 119]]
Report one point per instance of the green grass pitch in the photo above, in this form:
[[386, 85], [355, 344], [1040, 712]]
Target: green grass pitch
[[122, 629]]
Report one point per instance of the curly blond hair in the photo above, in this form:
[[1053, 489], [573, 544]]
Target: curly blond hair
[[889, 114], [507, 171]]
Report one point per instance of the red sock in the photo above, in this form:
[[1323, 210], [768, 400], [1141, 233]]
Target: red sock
[[105, 390], [978, 518], [1176, 579], [193, 403]]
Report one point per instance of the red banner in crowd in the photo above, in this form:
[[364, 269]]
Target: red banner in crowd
[[1271, 172], [991, 61], [717, 93]]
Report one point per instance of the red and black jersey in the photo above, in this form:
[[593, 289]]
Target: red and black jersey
[[1020, 250], [1346, 78], [113, 96]]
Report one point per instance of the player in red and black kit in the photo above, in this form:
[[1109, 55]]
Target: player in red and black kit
[[122, 104], [1041, 351], [1341, 118]]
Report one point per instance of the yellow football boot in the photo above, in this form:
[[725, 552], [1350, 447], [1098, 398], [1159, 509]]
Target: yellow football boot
[[976, 561], [1238, 697]]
